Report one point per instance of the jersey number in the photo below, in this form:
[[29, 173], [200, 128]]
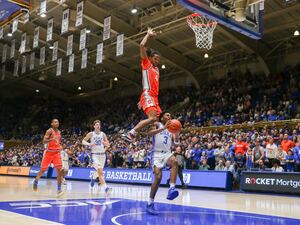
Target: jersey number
[[166, 140]]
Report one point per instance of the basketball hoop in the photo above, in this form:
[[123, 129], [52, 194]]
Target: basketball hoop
[[203, 28]]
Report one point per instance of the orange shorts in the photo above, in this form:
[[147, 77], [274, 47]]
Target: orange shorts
[[51, 157], [149, 103]]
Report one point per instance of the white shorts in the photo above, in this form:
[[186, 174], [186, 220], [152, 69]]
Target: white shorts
[[160, 159], [98, 160], [64, 160]]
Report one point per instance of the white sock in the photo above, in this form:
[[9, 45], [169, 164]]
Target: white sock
[[172, 185], [133, 132], [151, 200]]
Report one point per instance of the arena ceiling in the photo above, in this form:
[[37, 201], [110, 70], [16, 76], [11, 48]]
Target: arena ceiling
[[176, 44]]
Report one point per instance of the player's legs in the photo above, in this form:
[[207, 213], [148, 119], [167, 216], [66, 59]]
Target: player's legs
[[57, 162], [157, 179], [154, 187], [47, 159], [152, 117], [172, 162]]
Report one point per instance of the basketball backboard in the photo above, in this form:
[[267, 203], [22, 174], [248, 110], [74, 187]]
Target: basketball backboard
[[243, 16]]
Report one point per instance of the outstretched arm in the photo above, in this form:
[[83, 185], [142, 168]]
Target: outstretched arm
[[150, 33]]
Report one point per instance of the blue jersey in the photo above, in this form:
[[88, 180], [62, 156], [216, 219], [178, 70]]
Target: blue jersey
[[249, 162], [290, 166]]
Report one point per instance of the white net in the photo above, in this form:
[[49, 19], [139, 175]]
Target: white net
[[203, 28]]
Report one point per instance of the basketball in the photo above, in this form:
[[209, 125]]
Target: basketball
[[175, 126]]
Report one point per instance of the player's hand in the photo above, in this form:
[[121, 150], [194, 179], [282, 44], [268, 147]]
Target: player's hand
[[92, 145], [168, 123], [106, 144], [151, 32]]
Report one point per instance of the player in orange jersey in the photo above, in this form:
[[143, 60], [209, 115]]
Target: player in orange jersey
[[149, 98], [52, 140]]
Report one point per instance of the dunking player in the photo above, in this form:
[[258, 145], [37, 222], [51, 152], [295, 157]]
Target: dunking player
[[162, 156], [98, 143], [149, 98], [52, 140]]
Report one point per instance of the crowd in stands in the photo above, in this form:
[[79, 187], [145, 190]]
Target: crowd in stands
[[232, 100], [235, 99]]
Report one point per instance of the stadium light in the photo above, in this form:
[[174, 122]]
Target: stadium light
[[51, 47], [296, 33], [9, 34], [37, 90], [79, 88], [116, 79], [88, 31], [43, 15], [206, 55], [163, 66], [134, 10]]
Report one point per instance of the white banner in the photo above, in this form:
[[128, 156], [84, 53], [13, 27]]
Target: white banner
[[71, 63], [42, 55], [106, 28], [82, 43], [65, 21], [16, 68], [13, 48], [54, 51], [3, 72], [23, 43], [99, 54], [70, 45], [84, 58], [1, 33], [14, 25], [49, 30], [36, 37], [43, 6], [120, 45], [4, 53], [79, 14], [23, 70], [32, 61], [58, 67]]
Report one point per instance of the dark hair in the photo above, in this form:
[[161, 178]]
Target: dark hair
[[96, 121], [54, 119], [161, 115], [151, 52]]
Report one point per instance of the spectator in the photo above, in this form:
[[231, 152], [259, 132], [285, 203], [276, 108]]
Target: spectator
[[281, 156], [249, 159], [204, 165], [271, 151], [290, 161], [276, 166], [258, 152], [240, 146], [220, 165], [286, 143], [261, 165]]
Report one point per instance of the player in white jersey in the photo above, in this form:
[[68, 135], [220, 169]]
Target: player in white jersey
[[162, 156], [65, 152], [99, 144]]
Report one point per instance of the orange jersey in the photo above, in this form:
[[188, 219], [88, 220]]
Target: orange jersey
[[55, 143], [150, 78]]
